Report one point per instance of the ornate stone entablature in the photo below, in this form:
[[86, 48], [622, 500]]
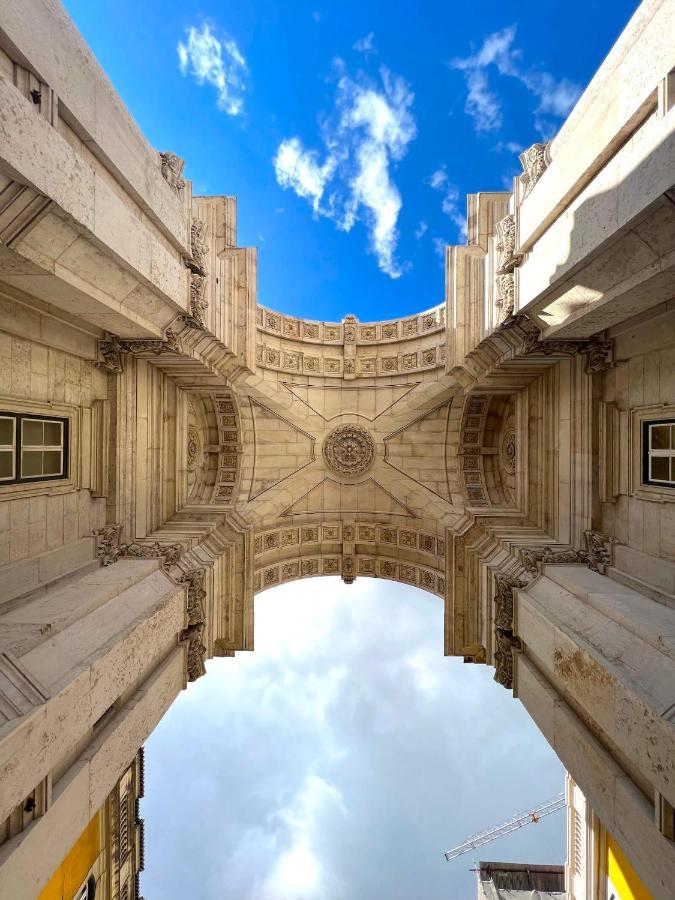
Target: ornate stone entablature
[[112, 349], [351, 349], [349, 450]]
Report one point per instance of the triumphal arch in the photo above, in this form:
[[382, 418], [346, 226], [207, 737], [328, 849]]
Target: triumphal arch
[[170, 447]]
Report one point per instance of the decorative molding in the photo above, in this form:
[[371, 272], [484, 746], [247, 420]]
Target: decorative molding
[[109, 548], [507, 258], [533, 557], [349, 449], [172, 172], [535, 160], [506, 295], [198, 247], [112, 349], [194, 447], [198, 302]]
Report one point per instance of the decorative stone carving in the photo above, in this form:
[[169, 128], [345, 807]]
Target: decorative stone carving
[[535, 160], [532, 556], [600, 548], [196, 651], [198, 302], [503, 613], [600, 357], [507, 258], [193, 448], [196, 595], [509, 451], [109, 548], [198, 247], [349, 449], [505, 645], [172, 172], [506, 295], [112, 349]]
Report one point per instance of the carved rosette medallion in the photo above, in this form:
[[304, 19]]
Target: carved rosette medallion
[[194, 446], [349, 450], [509, 451]]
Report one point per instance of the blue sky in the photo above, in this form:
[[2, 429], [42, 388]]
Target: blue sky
[[379, 123], [341, 759]]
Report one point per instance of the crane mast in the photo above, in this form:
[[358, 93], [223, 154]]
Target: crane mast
[[525, 818]]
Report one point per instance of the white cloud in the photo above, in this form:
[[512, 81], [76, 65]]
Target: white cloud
[[365, 44], [216, 62], [421, 230], [368, 131], [439, 181], [439, 247], [555, 97]]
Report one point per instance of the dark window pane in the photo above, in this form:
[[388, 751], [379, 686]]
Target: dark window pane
[[6, 464], [31, 463], [31, 432], [51, 462], [660, 437], [53, 433], [660, 468], [6, 431]]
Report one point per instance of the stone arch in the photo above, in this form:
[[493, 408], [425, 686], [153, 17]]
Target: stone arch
[[409, 555], [213, 440], [488, 450]]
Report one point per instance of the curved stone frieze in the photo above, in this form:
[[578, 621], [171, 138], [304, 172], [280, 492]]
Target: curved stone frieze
[[349, 450]]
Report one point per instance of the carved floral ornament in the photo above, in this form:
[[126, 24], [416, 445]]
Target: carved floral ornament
[[172, 172], [535, 160], [110, 548], [112, 349], [349, 450]]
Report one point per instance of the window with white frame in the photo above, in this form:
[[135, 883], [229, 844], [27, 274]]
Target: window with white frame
[[658, 452], [32, 448]]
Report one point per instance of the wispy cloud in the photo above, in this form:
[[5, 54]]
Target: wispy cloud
[[366, 44], [440, 182], [367, 132], [421, 230], [555, 96], [217, 62]]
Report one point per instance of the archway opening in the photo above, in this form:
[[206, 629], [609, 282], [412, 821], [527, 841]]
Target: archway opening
[[341, 758]]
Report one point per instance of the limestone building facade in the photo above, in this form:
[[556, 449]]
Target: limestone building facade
[[169, 447]]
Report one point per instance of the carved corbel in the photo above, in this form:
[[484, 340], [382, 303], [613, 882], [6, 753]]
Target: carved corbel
[[503, 608], [600, 357], [506, 644], [172, 172], [112, 349], [199, 249], [506, 295], [196, 595], [110, 549], [600, 549], [198, 302], [535, 160], [196, 651]]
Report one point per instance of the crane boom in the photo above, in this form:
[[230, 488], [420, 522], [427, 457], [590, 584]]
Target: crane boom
[[517, 821]]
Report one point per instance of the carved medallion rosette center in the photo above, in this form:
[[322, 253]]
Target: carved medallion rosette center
[[349, 450]]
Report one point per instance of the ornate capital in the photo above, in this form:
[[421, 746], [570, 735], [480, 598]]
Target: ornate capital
[[109, 548], [172, 172], [535, 160], [112, 349]]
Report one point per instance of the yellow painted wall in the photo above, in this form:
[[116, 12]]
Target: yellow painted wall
[[622, 876], [73, 870]]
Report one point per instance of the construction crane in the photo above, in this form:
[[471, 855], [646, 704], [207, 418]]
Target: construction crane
[[524, 818]]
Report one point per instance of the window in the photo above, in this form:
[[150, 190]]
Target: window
[[658, 452], [32, 448]]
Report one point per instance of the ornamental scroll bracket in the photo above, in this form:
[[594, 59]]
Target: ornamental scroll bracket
[[110, 548], [112, 350], [196, 263], [172, 172], [193, 635], [535, 160], [506, 643]]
